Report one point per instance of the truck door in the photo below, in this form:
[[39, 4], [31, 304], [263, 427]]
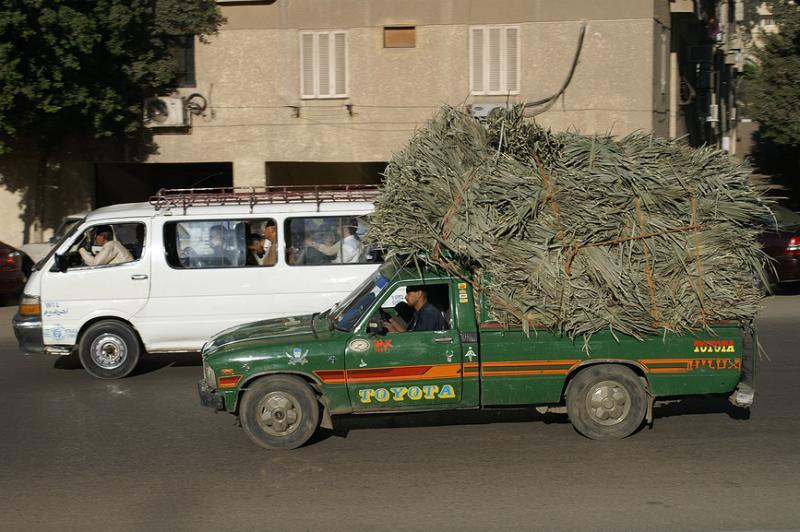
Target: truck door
[[413, 370]]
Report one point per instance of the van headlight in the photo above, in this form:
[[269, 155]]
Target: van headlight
[[29, 305], [208, 374]]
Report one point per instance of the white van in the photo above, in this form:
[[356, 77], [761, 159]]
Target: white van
[[196, 263]]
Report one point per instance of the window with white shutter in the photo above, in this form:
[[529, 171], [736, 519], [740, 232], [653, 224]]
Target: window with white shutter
[[323, 64], [494, 59]]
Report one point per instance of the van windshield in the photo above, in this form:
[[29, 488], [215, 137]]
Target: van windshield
[[349, 311], [67, 235]]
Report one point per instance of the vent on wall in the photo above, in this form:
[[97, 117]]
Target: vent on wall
[[483, 110]]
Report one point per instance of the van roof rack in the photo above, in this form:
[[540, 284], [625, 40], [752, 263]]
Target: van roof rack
[[168, 198]]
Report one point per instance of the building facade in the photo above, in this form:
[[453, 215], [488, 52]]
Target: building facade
[[324, 91]]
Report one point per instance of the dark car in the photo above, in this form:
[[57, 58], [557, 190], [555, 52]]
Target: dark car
[[781, 241], [12, 273]]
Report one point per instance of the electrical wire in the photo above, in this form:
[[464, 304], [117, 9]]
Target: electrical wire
[[548, 102]]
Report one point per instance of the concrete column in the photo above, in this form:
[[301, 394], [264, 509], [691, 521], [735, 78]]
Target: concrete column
[[674, 93], [249, 173]]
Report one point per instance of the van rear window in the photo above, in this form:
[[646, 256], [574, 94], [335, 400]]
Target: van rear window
[[203, 244], [320, 240]]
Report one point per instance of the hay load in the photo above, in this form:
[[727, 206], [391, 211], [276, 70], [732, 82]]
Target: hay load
[[576, 233]]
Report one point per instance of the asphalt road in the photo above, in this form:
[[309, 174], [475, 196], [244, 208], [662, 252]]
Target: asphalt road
[[78, 453]]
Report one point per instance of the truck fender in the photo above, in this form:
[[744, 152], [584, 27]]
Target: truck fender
[[312, 381], [634, 365]]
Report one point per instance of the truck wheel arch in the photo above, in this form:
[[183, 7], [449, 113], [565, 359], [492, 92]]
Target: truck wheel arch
[[315, 385], [632, 364]]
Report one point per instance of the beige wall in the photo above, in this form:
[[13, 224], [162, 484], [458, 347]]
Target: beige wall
[[249, 73]]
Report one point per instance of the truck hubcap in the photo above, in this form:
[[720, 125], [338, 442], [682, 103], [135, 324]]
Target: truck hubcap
[[109, 351], [608, 403], [279, 414]]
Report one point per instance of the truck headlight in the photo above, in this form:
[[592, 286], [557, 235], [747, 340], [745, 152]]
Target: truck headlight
[[208, 374]]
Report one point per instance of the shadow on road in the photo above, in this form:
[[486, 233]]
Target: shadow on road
[[699, 405], [345, 423], [147, 364]]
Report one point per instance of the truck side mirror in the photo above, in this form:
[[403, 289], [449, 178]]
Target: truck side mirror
[[59, 263]]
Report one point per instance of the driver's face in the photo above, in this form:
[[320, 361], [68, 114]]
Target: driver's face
[[412, 298]]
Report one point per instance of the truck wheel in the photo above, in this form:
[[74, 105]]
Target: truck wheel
[[606, 402], [279, 412], [109, 350]]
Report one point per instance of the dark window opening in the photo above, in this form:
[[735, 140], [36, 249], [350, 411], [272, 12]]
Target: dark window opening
[[182, 50]]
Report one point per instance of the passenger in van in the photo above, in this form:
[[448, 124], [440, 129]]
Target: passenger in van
[[224, 252], [321, 248], [350, 245], [111, 252], [138, 246], [270, 243], [255, 250]]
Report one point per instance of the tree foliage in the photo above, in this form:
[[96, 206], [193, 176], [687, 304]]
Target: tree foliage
[[72, 67], [771, 86]]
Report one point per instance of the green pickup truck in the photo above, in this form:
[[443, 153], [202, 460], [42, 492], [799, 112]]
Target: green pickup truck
[[285, 377]]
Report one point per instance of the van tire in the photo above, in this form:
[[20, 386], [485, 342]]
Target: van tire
[[109, 349], [606, 402], [279, 412]]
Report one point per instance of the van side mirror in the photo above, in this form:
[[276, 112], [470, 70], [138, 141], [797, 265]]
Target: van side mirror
[[59, 263]]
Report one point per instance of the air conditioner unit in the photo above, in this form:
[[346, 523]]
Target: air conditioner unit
[[482, 110], [165, 111]]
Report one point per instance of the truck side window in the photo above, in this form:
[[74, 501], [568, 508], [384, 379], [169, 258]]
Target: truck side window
[[399, 308], [323, 240], [199, 244]]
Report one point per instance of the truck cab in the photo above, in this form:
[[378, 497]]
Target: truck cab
[[284, 377]]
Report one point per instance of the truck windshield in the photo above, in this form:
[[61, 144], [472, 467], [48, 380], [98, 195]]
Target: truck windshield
[[71, 231], [346, 315]]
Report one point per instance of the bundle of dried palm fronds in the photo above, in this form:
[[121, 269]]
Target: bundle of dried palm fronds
[[576, 233]]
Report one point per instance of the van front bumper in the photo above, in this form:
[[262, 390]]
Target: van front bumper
[[28, 330], [209, 397]]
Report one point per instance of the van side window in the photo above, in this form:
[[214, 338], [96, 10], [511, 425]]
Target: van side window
[[327, 240], [199, 244], [108, 244]]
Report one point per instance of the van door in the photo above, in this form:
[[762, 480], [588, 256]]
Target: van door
[[81, 293], [414, 370]]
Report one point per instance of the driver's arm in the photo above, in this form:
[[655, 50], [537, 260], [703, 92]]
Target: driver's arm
[[102, 257], [393, 326], [88, 258]]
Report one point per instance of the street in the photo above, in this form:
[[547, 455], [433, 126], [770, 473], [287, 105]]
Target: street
[[140, 453]]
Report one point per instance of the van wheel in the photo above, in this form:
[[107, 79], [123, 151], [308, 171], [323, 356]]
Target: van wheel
[[279, 412], [109, 350], [606, 402]]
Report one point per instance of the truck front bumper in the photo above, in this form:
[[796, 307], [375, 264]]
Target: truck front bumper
[[28, 330], [209, 397]]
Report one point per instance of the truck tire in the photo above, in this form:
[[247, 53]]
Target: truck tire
[[109, 349], [606, 402], [279, 412]]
